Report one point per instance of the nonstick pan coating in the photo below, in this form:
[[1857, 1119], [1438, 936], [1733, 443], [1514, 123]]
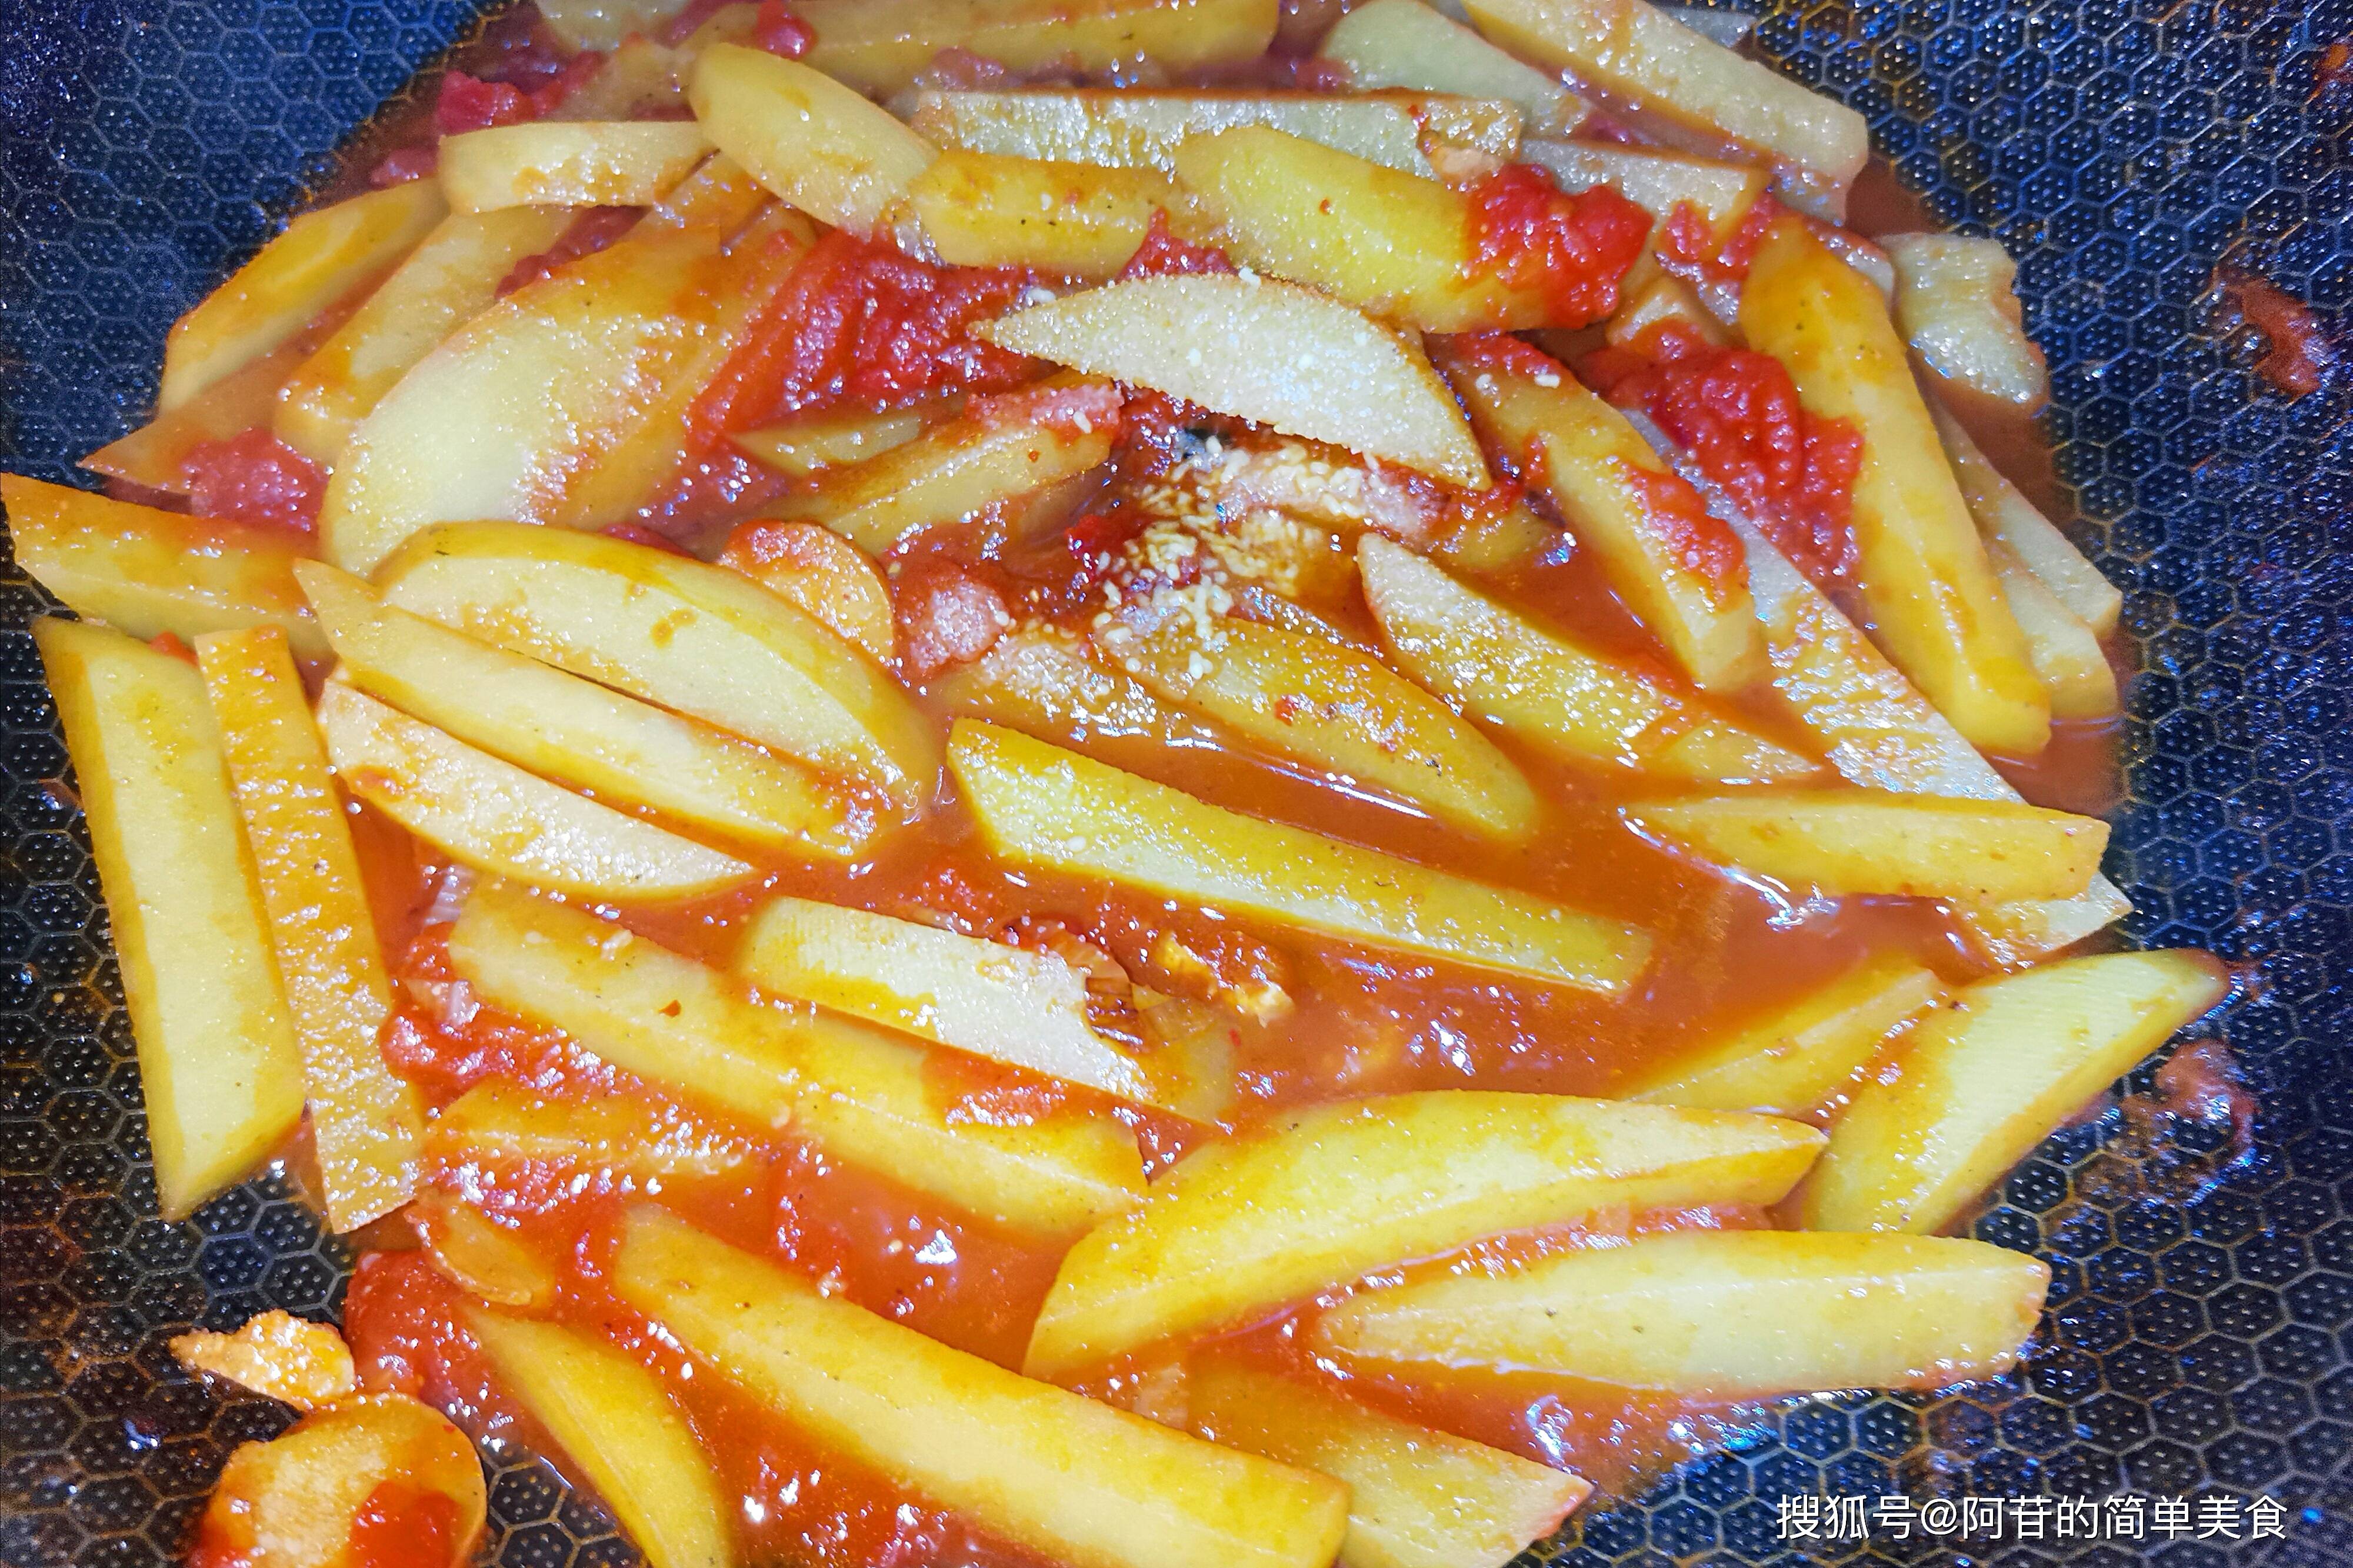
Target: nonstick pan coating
[[2200, 1338]]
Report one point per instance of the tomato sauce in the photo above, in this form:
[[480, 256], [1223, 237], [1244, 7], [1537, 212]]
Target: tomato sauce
[[254, 477], [1569, 250], [1737, 413]]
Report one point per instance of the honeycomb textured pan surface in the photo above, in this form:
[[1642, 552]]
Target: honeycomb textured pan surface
[[2122, 149]]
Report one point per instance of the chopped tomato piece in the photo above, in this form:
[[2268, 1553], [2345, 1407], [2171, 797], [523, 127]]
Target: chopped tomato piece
[[780, 32], [402, 1526], [1529, 233], [1688, 249]]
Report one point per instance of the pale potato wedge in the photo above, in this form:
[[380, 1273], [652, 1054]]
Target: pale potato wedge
[[565, 402], [1919, 564], [1958, 308], [1979, 1085], [217, 1059], [1405, 44], [568, 164], [2063, 649], [322, 257], [1417, 1498], [147, 572], [1008, 1003], [500, 1122], [1143, 130], [1881, 733], [1269, 351], [452, 275], [1676, 567], [1794, 1059], [1845, 842], [1042, 806], [808, 138], [614, 1421], [949, 473], [1076, 220], [1654, 179], [1395, 245], [156, 454], [861, 1093], [1720, 1314], [2002, 512], [1662, 298], [1334, 709], [1064, 1477], [1683, 87], [291, 1503], [1325, 1194], [365, 1120], [1037, 680], [880, 46], [495, 817], [1539, 685], [482, 1255], [276, 1356], [701, 639], [603, 24], [568, 728], [804, 446]]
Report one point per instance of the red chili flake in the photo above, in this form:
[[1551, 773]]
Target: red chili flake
[[860, 323], [1570, 250], [780, 32], [1737, 414], [254, 477], [1687, 246], [1163, 255]]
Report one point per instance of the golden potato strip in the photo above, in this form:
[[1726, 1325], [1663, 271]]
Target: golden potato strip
[[1417, 1498], [569, 164], [217, 1058], [495, 817], [1977, 1087], [1336, 709], [1723, 1314], [614, 1420], [879, 46], [1682, 87], [500, 1122], [1330, 1192], [1065, 1477], [2064, 650], [322, 257], [277, 1356], [701, 639], [861, 1093], [147, 572], [565, 728], [1005, 1003], [1270, 352], [365, 1120], [1405, 44], [1134, 130], [804, 136], [1078, 220], [452, 276], [1041, 805], [2003, 512], [1790, 1061], [1847, 842], [1620, 497], [1541, 686], [1919, 564]]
